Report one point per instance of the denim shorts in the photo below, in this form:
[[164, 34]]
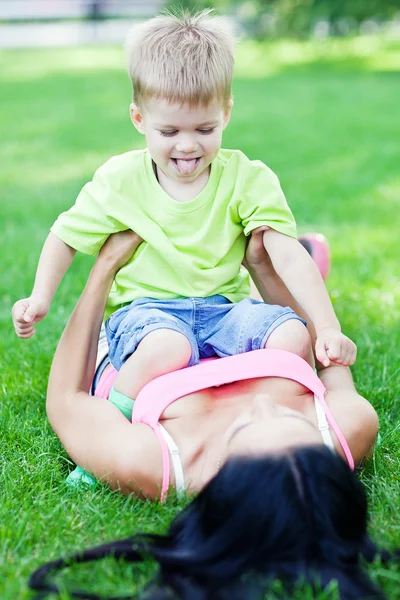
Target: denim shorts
[[213, 325]]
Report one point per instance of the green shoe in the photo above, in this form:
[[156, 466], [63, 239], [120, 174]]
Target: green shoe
[[78, 477]]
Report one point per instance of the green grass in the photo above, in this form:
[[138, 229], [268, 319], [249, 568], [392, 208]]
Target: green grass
[[325, 118]]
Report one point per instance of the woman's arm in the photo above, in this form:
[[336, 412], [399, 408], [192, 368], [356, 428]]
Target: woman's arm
[[354, 415], [94, 433], [78, 345]]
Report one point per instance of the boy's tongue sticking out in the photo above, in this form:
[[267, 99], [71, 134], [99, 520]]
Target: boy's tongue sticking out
[[185, 165]]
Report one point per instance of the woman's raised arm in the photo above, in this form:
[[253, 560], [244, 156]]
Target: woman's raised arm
[[93, 431], [74, 361]]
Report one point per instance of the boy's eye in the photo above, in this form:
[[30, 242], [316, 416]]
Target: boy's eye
[[168, 133], [206, 131]]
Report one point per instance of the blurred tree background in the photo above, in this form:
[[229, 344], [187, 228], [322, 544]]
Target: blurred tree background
[[259, 19], [301, 18]]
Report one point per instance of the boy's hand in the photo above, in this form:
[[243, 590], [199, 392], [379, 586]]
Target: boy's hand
[[333, 346], [26, 313]]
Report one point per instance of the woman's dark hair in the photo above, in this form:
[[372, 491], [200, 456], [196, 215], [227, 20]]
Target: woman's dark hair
[[298, 516]]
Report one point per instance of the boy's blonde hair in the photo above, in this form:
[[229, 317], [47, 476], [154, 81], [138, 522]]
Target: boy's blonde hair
[[182, 58]]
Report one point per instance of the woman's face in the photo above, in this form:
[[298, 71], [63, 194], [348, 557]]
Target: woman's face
[[266, 427]]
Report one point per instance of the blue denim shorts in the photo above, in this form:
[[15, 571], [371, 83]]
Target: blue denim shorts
[[213, 325]]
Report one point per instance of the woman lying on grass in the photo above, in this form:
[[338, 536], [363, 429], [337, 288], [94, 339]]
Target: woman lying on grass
[[275, 501], [254, 415]]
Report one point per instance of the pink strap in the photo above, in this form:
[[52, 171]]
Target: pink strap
[[154, 398]]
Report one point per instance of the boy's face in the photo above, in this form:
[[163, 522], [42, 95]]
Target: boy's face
[[182, 140]]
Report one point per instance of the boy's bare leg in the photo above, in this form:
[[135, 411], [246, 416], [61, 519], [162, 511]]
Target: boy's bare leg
[[160, 352], [292, 336]]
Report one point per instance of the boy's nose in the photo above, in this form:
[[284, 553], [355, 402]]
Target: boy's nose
[[186, 145]]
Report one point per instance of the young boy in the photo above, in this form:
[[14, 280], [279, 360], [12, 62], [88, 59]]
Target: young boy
[[183, 295]]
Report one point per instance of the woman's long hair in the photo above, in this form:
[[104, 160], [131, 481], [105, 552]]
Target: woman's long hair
[[298, 516]]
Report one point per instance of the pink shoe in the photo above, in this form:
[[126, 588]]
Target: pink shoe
[[317, 246]]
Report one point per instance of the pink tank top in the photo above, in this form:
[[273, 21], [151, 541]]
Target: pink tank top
[[158, 394]]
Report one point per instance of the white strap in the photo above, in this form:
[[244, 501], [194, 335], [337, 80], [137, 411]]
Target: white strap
[[323, 424], [102, 347], [176, 460], [102, 360]]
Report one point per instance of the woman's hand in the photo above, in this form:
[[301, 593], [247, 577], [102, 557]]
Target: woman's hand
[[256, 257], [118, 249]]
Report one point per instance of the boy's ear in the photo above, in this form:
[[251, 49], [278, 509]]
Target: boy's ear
[[227, 113], [136, 117]]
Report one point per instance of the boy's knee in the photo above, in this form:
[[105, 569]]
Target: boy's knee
[[166, 346], [293, 336], [161, 351]]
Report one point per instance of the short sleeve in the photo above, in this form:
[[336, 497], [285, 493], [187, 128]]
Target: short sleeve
[[88, 223], [262, 201]]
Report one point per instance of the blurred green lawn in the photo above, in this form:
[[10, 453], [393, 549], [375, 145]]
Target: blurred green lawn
[[324, 116]]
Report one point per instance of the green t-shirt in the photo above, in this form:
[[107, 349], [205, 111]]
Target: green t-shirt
[[192, 249]]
